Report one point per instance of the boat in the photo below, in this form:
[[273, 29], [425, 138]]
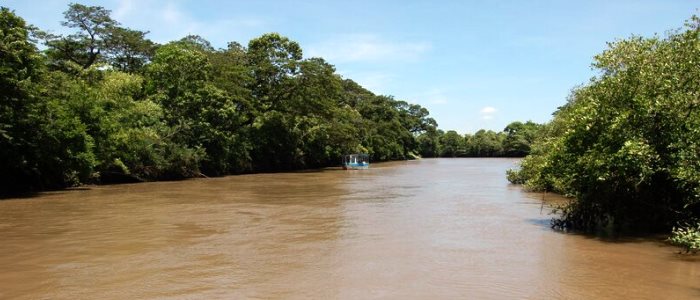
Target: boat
[[355, 161]]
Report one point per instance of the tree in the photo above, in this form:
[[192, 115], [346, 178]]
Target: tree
[[42, 145], [179, 110], [384, 136], [197, 42], [202, 114], [429, 143], [19, 65], [85, 46], [98, 39], [231, 72], [177, 69], [452, 144], [274, 60], [519, 137], [128, 50], [485, 143], [626, 145]]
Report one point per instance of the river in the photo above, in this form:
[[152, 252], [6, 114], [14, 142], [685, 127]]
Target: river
[[426, 229]]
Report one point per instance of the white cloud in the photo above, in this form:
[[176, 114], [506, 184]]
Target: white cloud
[[367, 48], [488, 112]]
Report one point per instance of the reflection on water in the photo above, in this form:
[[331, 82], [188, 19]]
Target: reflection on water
[[435, 228]]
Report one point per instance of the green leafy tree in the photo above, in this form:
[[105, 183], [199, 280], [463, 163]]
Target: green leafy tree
[[180, 110], [128, 50], [519, 138], [452, 144], [384, 136], [42, 144], [625, 145], [202, 114], [274, 60], [429, 143], [20, 64], [231, 73], [84, 47], [485, 143], [97, 39]]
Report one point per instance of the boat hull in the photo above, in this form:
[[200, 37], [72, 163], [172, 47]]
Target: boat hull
[[355, 166]]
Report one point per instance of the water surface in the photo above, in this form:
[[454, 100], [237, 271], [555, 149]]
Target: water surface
[[428, 229]]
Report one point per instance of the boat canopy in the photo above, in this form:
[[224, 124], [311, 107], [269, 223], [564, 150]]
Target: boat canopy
[[356, 161]]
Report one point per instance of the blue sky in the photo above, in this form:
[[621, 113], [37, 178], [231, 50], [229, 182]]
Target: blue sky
[[473, 64]]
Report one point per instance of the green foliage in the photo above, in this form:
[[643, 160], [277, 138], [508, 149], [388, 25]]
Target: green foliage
[[97, 39], [519, 138], [128, 50], [687, 237], [274, 60], [176, 71], [42, 143], [84, 47], [452, 144], [64, 148], [485, 144], [429, 143], [105, 104], [626, 145], [203, 115], [514, 141], [19, 64]]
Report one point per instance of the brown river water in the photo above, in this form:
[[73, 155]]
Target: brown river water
[[427, 229]]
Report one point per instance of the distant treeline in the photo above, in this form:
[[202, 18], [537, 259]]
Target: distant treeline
[[513, 141], [106, 104], [626, 146]]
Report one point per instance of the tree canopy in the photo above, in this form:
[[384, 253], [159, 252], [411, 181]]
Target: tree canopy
[[626, 145], [513, 141], [106, 104]]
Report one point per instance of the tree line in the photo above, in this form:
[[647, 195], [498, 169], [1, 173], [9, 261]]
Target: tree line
[[626, 146], [513, 141], [106, 104]]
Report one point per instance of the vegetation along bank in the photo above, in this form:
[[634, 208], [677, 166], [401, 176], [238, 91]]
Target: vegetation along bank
[[106, 104], [626, 145]]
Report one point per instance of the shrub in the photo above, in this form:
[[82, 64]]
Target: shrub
[[687, 237]]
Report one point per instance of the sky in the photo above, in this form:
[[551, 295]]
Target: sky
[[473, 64]]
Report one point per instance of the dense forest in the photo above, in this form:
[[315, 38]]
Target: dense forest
[[626, 146], [513, 141], [106, 104]]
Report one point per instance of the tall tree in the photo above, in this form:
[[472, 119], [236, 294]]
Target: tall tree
[[128, 50], [203, 115], [97, 38], [274, 60], [42, 144], [93, 25], [452, 144], [519, 137], [19, 66]]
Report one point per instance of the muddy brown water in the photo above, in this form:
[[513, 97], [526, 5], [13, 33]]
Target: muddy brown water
[[428, 229]]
